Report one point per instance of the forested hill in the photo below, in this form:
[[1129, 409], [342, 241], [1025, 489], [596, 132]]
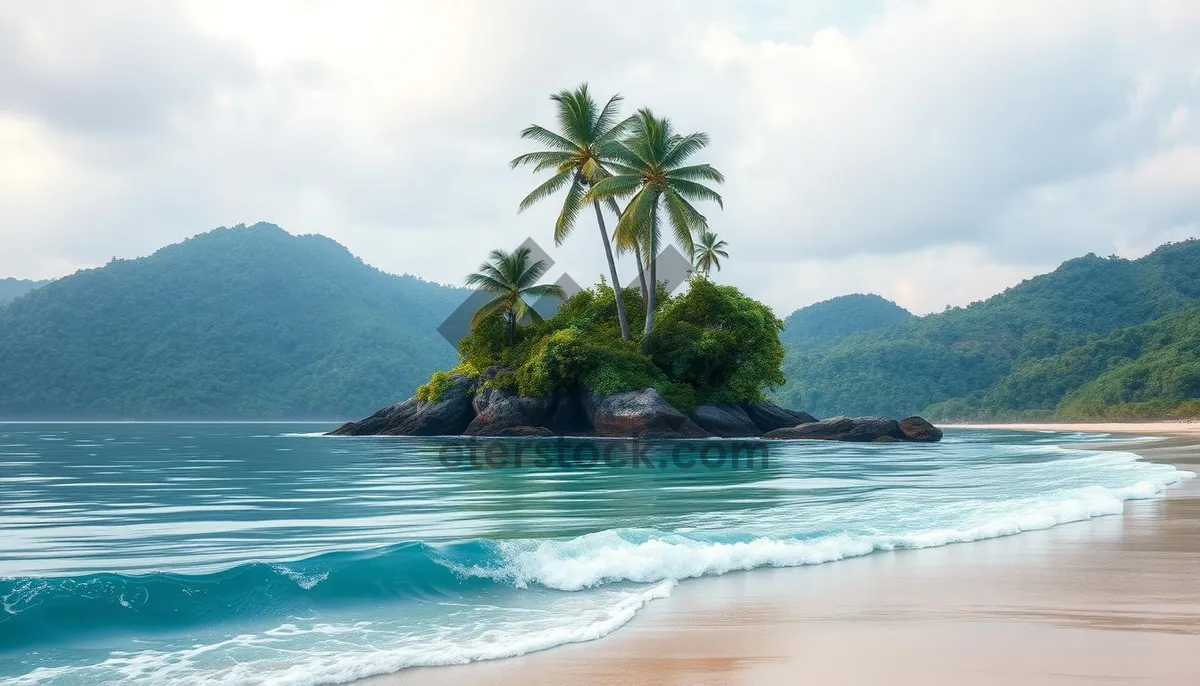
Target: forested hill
[[962, 353], [11, 289], [243, 322], [835, 318]]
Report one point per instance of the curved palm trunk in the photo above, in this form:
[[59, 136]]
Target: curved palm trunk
[[637, 253], [651, 300], [612, 270]]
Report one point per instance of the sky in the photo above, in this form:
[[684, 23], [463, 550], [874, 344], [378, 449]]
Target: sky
[[935, 152]]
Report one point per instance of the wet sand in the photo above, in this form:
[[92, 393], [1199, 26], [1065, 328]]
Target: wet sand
[[1106, 601]]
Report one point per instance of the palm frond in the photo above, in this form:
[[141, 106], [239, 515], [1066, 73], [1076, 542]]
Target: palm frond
[[696, 172], [548, 188], [570, 210], [548, 138], [696, 191], [684, 219], [543, 159], [500, 303], [683, 147], [614, 187]]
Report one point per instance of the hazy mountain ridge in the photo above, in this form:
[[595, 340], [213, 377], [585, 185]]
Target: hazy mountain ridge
[[242, 322], [838, 317], [11, 289], [960, 354]]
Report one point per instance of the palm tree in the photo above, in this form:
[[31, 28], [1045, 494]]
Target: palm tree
[[511, 277], [708, 253], [578, 155], [649, 167]]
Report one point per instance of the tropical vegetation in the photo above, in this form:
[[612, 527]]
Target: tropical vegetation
[[708, 253], [712, 344], [512, 278], [1096, 337], [237, 323], [577, 154], [649, 168]]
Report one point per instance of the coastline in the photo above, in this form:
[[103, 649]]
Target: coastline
[[1107, 600]]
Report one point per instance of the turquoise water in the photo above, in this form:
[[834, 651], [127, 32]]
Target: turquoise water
[[253, 553]]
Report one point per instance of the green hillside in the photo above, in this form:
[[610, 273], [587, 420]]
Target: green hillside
[[964, 352], [243, 322], [838, 317], [11, 289]]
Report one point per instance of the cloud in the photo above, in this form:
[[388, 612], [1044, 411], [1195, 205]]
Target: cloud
[[931, 151]]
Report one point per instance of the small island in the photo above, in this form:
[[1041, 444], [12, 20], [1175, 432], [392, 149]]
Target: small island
[[704, 373], [703, 360]]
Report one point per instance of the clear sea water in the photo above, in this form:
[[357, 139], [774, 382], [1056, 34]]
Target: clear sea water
[[264, 554]]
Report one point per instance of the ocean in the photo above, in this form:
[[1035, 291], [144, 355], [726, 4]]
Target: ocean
[[188, 553]]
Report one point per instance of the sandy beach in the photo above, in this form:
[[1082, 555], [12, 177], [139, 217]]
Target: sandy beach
[[1110, 600]]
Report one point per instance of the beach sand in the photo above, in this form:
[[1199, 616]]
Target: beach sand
[[1106, 601]]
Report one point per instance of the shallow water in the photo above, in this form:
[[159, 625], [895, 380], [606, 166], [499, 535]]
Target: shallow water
[[256, 553]]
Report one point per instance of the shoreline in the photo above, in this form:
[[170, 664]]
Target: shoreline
[[1110, 599]]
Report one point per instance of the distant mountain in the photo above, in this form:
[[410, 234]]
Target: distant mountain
[[838, 317], [965, 353], [11, 289], [242, 322], [1151, 369]]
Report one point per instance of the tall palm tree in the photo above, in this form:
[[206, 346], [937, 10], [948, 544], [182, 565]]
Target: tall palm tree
[[511, 277], [708, 252], [578, 154], [648, 167]]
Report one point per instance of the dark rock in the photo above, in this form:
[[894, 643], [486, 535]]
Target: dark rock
[[917, 429], [861, 429], [498, 410], [566, 416], [867, 429], [448, 416], [831, 429], [886, 439], [638, 414], [769, 416], [379, 422], [527, 431], [727, 420]]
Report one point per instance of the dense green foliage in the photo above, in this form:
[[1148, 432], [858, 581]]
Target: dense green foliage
[[832, 319], [234, 323], [11, 289], [960, 361], [712, 344]]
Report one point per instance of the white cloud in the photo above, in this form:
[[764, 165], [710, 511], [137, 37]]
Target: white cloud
[[931, 151]]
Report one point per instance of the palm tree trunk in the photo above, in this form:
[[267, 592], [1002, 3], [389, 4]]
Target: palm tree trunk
[[637, 253], [512, 328], [612, 270], [651, 301]]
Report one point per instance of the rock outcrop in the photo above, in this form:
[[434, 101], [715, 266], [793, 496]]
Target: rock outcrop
[[860, 429], [498, 411], [917, 429], [638, 414], [449, 415], [768, 416], [727, 420], [468, 407]]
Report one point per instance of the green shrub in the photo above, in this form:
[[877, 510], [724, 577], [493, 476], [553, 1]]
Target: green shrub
[[712, 344]]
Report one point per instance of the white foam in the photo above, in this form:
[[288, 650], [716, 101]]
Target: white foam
[[611, 556], [325, 666]]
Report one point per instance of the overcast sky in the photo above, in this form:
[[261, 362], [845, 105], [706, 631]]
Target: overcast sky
[[933, 152]]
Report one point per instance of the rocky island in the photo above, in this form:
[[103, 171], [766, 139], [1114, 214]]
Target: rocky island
[[468, 408], [702, 373]]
